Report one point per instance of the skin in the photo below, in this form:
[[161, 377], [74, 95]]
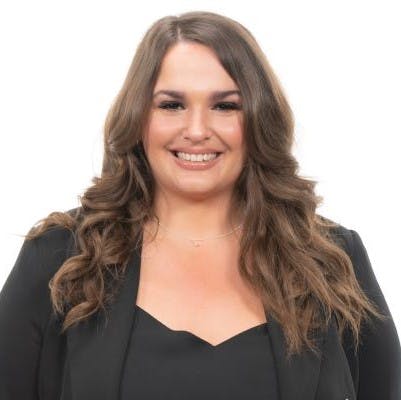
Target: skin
[[194, 203], [203, 283]]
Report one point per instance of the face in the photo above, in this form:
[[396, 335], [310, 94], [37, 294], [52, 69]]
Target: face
[[194, 122]]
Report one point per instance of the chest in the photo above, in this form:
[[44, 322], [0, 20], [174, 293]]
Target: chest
[[199, 291], [87, 362]]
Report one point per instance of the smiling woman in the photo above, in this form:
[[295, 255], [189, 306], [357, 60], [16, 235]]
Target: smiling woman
[[245, 291]]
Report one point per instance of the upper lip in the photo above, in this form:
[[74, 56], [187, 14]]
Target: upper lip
[[195, 151]]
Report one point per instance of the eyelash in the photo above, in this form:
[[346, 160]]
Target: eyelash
[[165, 105]]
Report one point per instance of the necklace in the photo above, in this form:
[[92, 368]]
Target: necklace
[[197, 242]]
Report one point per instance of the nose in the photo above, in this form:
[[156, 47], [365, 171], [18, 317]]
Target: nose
[[196, 127]]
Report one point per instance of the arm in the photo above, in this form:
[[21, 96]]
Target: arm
[[20, 327], [25, 309], [379, 352]]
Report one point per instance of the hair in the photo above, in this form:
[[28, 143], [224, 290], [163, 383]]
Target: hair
[[286, 252]]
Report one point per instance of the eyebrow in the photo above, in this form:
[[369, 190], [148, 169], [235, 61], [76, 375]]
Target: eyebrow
[[216, 95]]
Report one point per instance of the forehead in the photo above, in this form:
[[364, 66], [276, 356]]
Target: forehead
[[194, 67]]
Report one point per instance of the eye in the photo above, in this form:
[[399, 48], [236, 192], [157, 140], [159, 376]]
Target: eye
[[169, 105], [172, 106], [228, 106]]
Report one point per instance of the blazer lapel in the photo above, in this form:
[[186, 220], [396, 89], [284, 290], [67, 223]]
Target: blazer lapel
[[298, 377], [97, 348]]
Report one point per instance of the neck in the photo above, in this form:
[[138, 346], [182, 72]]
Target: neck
[[206, 218]]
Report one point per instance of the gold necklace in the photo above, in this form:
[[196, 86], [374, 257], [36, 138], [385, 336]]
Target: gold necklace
[[197, 242]]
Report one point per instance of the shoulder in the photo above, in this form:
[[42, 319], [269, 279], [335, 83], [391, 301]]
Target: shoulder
[[351, 242], [340, 234], [43, 255], [26, 290]]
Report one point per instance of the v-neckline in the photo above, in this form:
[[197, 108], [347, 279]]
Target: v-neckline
[[193, 335]]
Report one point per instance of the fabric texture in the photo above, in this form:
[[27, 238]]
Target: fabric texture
[[37, 364], [167, 364]]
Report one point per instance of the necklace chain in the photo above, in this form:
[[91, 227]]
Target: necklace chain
[[197, 242]]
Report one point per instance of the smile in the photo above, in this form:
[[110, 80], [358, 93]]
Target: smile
[[196, 157], [196, 161]]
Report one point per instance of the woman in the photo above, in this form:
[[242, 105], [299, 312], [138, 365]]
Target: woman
[[196, 266]]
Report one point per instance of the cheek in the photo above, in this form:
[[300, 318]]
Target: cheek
[[230, 129], [235, 140], [158, 132], [163, 124], [233, 136]]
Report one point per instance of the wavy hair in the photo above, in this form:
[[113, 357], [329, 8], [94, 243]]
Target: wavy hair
[[286, 252]]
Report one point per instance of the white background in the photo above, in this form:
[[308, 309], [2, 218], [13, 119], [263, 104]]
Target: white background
[[62, 63]]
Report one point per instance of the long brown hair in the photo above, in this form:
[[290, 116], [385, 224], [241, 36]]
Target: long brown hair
[[286, 253]]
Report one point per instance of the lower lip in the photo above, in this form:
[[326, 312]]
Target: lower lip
[[196, 165]]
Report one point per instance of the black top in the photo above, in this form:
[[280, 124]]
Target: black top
[[39, 363], [163, 363]]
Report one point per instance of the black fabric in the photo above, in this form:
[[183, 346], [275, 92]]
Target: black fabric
[[38, 363], [163, 363]]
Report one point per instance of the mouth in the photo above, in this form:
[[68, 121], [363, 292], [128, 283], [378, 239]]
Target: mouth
[[213, 156]]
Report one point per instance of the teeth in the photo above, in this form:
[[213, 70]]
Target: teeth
[[196, 157]]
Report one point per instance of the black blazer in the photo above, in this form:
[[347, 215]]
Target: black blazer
[[36, 362]]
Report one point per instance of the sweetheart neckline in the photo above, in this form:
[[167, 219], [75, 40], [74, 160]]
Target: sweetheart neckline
[[263, 325]]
